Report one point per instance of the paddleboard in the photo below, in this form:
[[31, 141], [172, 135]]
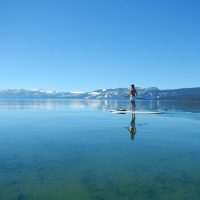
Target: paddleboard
[[135, 112]]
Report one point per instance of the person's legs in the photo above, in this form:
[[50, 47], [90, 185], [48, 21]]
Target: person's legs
[[133, 105]]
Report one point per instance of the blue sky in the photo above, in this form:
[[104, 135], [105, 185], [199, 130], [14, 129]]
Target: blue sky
[[82, 45]]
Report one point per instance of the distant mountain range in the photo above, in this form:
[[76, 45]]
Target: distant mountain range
[[151, 93]]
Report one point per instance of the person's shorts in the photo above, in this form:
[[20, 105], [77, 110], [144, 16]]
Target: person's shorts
[[132, 98]]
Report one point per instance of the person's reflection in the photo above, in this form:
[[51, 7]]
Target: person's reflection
[[132, 129]]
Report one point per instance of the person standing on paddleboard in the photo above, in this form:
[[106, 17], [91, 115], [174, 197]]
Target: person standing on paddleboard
[[132, 94]]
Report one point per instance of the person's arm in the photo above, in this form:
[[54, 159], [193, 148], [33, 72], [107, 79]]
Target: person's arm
[[135, 92]]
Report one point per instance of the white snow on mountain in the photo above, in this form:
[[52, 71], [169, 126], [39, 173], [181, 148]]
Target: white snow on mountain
[[95, 93], [77, 92]]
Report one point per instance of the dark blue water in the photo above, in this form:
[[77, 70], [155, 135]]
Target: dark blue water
[[76, 149]]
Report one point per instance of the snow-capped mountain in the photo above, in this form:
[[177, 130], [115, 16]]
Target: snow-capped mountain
[[38, 94], [151, 93]]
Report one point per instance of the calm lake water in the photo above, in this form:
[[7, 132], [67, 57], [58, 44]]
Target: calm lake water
[[78, 150]]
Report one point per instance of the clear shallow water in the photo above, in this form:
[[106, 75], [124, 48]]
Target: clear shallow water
[[58, 150]]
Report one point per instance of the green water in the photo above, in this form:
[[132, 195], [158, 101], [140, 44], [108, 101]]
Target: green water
[[58, 150]]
